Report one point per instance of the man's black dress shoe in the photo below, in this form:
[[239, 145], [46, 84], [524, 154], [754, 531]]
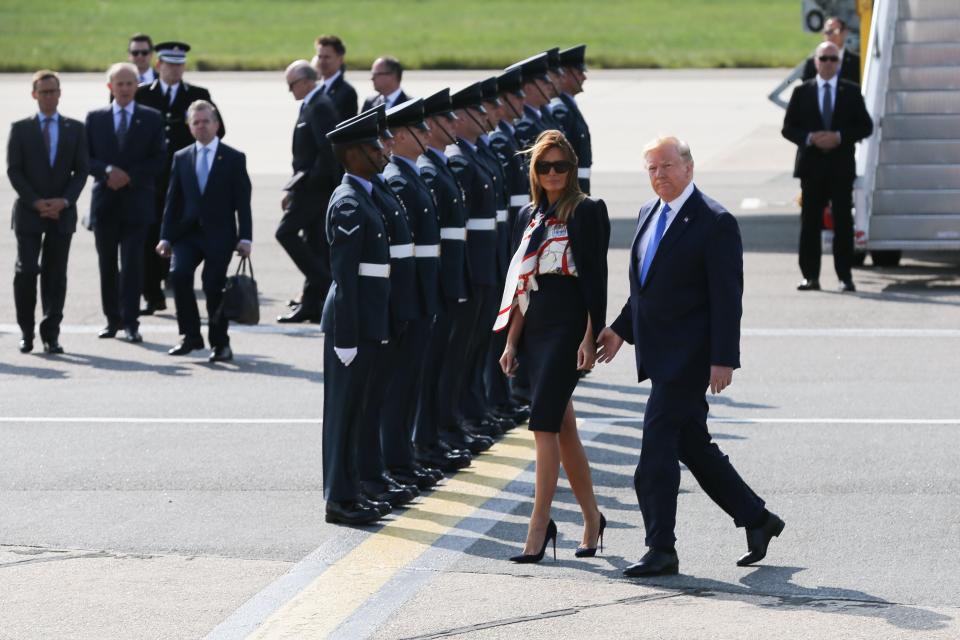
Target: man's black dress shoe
[[443, 458], [152, 306], [380, 491], [26, 344], [809, 285], [186, 346], [107, 332], [474, 443], [847, 286], [52, 347], [413, 476], [654, 563], [299, 314], [759, 538], [383, 508], [221, 354], [353, 513], [132, 336]]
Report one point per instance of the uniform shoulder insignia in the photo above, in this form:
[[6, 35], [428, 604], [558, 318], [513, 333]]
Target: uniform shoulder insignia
[[391, 170], [459, 161], [453, 151], [397, 182], [343, 204]]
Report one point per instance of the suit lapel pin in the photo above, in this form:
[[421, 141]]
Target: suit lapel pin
[[219, 157], [686, 219]]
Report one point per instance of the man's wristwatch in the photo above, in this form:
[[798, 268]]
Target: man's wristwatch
[[108, 169]]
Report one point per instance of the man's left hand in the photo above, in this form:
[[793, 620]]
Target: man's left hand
[[720, 378], [244, 248]]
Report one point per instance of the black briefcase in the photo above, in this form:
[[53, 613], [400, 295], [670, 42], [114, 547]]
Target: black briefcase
[[240, 300]]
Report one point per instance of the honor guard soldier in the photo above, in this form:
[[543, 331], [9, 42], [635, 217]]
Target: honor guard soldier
[[554, 112], [503, 142], [467, 340], [171, 96], [356, 317], [533, 72], [403, 175], [578, 133], [429, 446]]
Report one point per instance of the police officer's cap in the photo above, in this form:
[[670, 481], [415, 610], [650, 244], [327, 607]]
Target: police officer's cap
[[532, 68], [489, 90], [471, 96], [380, 111], [408, 114], [574, 57], [360, 130], [172, 52], [511, 81], [438, 104], [553, 58]]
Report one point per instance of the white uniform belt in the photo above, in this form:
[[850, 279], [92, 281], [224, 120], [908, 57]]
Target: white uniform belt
[[501, 215], [583, 172], [401, 250], [427, 251], [453, 233], [482, 224], [519, 201], [374, 270]]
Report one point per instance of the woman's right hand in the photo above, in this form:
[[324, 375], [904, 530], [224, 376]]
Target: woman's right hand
[[508, 361]]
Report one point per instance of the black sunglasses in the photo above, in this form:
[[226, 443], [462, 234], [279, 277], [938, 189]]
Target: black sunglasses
[[829, 59], [140, 52], [543, 167]]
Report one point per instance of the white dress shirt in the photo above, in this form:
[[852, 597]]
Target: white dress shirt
[[173, 91], [147, 76], [392, 98], [329, 81], [648, 231]]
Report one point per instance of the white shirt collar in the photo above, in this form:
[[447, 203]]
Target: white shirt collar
[[212, 146], [309, 96], [172, 87], [128, 108], [832, 82], [329, 81], [679, 201], [390, 99]]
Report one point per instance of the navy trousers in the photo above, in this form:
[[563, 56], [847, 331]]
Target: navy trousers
[[120, 288], [399, 409], [188, 253]]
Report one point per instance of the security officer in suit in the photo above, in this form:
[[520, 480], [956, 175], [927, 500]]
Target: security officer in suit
[[835, 30], [403, 175], [315, 176], [356, 318], [47, 165], [468, 337], [578, 133], [127, 149], [329, 64], [171, 96], [430, 447], [207, 217], [376, 483]]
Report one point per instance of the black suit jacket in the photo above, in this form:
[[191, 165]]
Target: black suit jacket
[[849, 68], [589, 232], [378, 99], [32, 177], [142, 157], [343, 96], [312, 152], [686, 317], [850, 119], [222, 211], [177, 131]]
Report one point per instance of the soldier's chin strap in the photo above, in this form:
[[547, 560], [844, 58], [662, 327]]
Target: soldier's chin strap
[[452, 139], [540, 91], [475, 121], [577, 80], [512, 108], [376, 167], [423, 149]]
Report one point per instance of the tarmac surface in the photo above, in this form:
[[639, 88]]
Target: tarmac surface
[[147, 496]]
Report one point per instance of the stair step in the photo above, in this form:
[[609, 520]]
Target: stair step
[[920, 78], [918, 176], [920, 152], [926, 54], [939, 30], [923, 102], [921, 127], [911, 226], [922, 201], [928, 9]]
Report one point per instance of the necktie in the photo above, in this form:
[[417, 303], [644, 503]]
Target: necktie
[[122, 129], [46, 139], [654, 243], [827, 107], [203, 170]]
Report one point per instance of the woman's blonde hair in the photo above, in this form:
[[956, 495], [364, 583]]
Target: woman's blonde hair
[[572, 196]]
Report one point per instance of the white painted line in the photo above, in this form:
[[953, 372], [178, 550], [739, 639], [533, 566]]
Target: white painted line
[[184, 420], [711, 419], [171, 329]]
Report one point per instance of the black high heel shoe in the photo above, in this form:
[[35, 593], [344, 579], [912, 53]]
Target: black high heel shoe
[[530, 558], [589, 552]]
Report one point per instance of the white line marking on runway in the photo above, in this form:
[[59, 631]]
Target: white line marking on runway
[[171, 329], [185, 420], [905, 421], [610, 420]]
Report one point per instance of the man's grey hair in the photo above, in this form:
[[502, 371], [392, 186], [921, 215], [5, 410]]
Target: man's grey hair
[[202, 105], [117, 67], [301, 69], [680, 145]]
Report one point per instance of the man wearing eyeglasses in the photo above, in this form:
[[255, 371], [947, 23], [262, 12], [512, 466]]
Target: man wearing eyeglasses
[[140, 53], [826, 117], [835, 30], [386, 74]]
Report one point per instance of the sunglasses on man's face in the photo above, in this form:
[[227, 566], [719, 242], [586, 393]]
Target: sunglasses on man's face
[[140, 52], [829, 59], [542, 167]]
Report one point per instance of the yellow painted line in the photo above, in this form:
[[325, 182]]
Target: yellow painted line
[[335, 594]]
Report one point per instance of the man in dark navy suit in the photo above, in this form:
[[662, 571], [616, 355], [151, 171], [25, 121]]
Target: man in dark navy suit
[[127, 153], [386, 73], [207, 217], [329, 64], [683, 318]]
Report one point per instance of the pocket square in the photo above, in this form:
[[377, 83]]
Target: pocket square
[[301, 124]]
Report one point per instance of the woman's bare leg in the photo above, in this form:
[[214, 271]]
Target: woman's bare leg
[[547, 474], [577, 467]]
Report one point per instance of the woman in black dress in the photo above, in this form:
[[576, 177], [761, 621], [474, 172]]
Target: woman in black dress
[[554, 305]]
